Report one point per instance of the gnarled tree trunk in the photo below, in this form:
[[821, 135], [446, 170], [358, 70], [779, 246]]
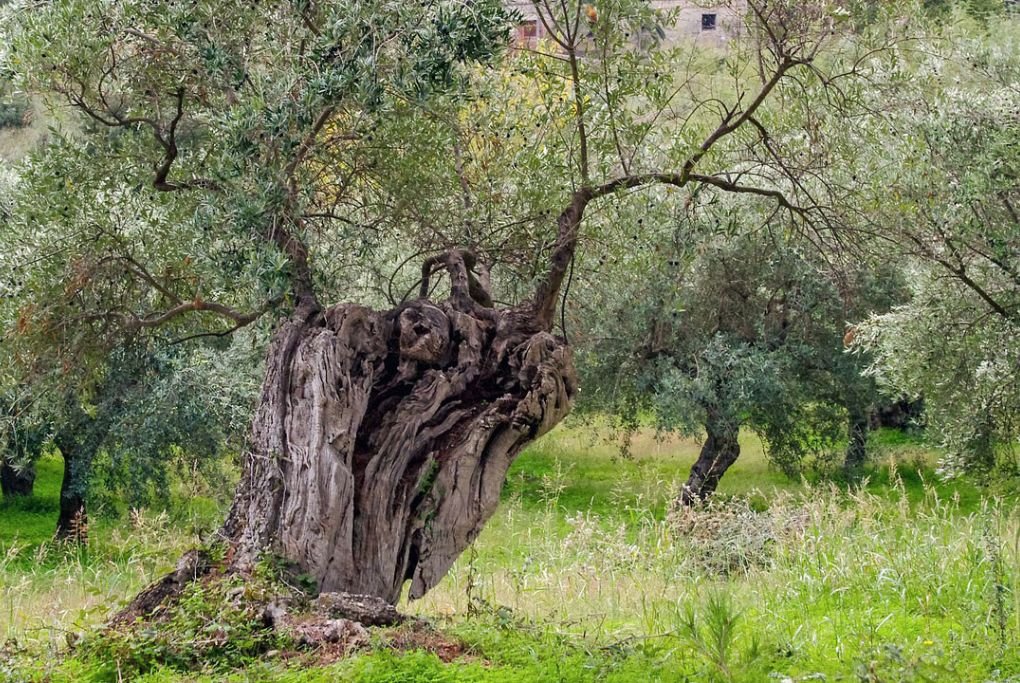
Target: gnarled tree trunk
[[16, 481], [720, 450], [858, 425], [382, 439]]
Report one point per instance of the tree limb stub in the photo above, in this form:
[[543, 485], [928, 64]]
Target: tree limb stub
[[467, 288]]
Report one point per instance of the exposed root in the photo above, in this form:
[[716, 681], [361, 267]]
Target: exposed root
[[339, 637], [204, 615], [193, 565]]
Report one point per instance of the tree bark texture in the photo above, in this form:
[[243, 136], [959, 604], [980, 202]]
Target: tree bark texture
[[16, 481], [720, 450], [72, 521], [382, 439]]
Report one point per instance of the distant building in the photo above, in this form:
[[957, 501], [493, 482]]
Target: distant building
[[716, 24]]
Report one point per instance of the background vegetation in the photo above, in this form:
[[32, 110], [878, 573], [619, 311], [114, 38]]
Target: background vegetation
[[585, 576]]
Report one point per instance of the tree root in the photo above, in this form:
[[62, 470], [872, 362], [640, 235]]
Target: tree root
[[193, 565]]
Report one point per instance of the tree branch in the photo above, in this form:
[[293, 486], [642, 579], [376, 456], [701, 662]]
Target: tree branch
[[466, 290], [569, 220]]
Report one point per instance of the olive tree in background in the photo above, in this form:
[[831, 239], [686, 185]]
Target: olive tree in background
[[22, 439], [951, 209], [740, 331], [147, 413]]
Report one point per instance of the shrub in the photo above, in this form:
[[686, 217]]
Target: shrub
[[725, 535]]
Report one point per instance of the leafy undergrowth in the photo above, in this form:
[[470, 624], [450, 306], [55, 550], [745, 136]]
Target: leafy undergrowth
[[580, 578], [215, 621]]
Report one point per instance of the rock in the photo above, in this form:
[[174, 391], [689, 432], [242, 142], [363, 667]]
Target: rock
[[343, 632], [274, 615], [350, 633], [365, 609]]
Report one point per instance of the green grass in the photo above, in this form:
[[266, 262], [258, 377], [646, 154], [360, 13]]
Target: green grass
[[586, 472], [583, 576], [31, 521], [49, 591]]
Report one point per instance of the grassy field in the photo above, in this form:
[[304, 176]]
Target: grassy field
[[583, 575]]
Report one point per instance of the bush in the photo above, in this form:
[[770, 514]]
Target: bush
[[726, 535]]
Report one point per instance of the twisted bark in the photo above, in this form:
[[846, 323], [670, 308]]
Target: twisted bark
[[383, 438]]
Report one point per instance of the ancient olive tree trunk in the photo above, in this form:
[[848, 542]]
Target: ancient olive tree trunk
[[382, 439], [16, 481], [720, 450]]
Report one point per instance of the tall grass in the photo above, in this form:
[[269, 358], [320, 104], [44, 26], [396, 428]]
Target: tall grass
[[826, 581], [586, 574], [52, 594]]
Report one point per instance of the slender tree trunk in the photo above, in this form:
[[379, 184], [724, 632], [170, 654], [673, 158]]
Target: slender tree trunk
[[720, 450], [72, 521], [382, 439], [16, 481], [858, 424]]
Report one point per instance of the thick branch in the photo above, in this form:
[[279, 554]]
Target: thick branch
[[135, 322], [569, 221], [466, 290]]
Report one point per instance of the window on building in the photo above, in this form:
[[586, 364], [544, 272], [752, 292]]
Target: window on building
[[527, 32], [708, 22]]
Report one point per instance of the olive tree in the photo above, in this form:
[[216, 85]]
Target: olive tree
[[740, 331], [223, 176], [148, 411], [952, 211], [22, 439]]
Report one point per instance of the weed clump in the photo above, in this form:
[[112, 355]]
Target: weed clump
[[726, 535]]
